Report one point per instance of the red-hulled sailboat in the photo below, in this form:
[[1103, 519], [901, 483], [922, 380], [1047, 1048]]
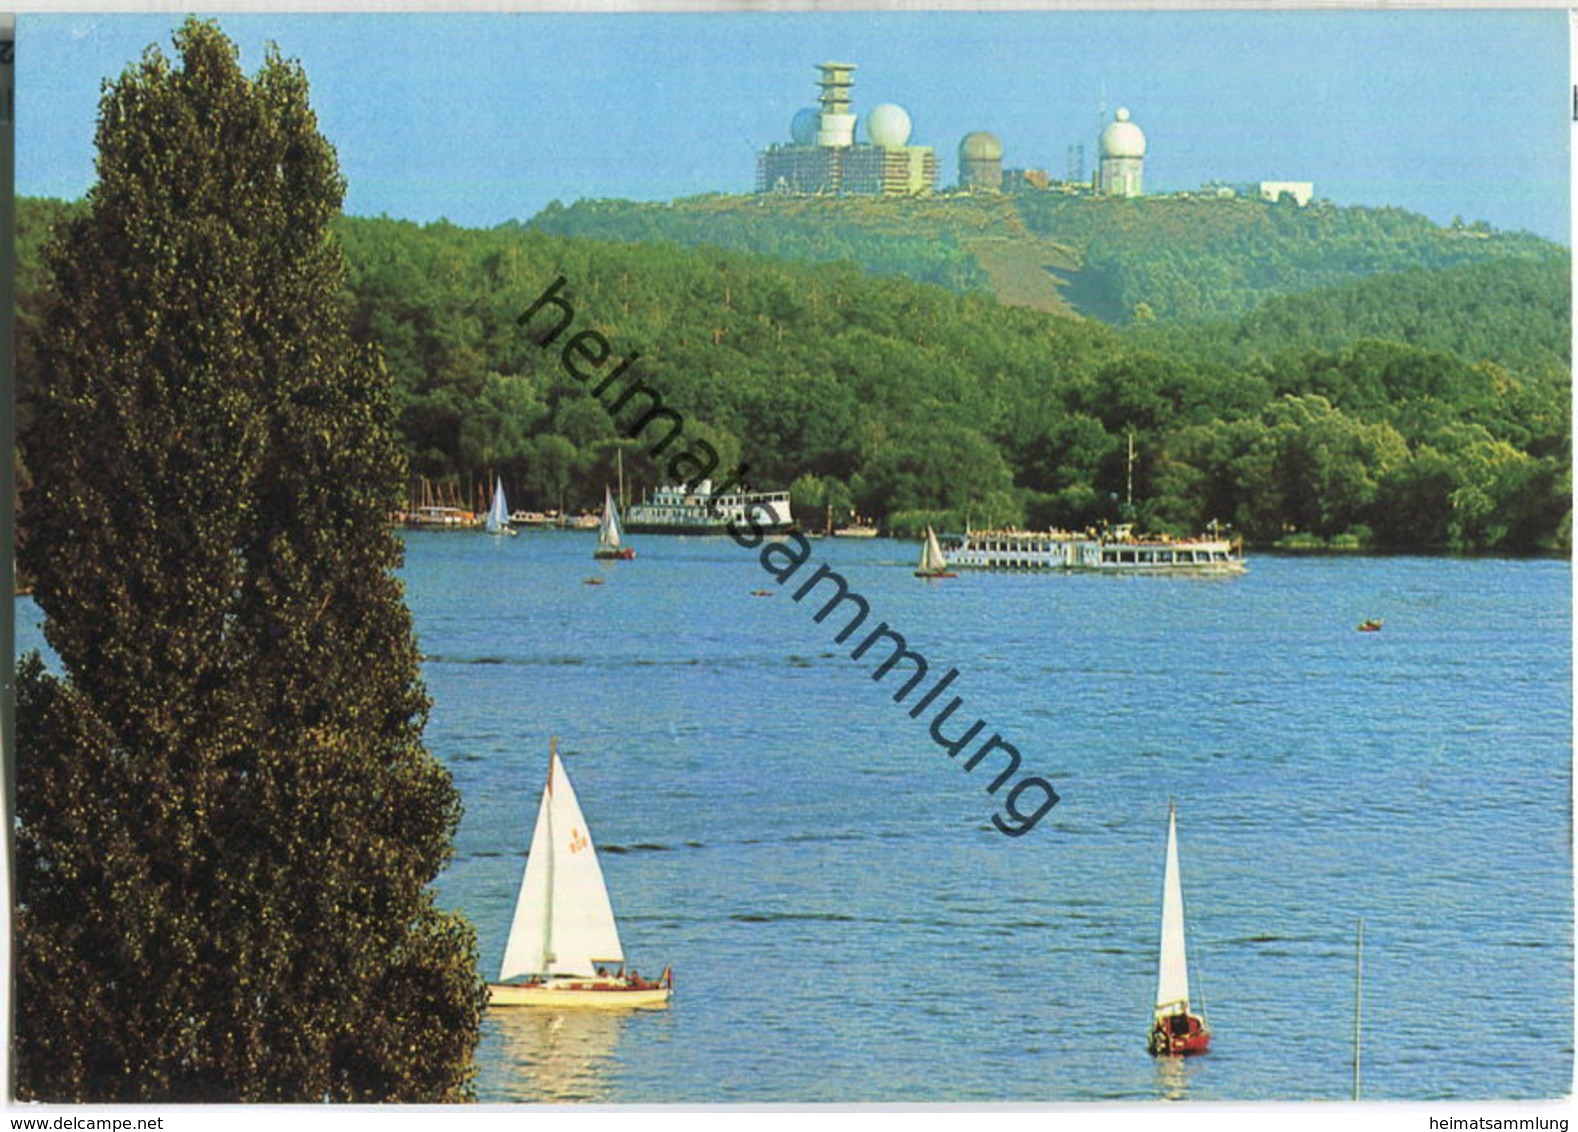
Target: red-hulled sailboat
[[1175, 1031]]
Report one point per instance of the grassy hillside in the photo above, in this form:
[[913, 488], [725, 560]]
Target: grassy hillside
[[884, 237], [1168, 259]]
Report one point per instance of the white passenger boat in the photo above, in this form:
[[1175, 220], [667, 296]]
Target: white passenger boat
[[1119, 551], [675, 509]]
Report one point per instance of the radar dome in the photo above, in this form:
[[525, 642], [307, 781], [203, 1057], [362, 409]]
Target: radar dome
[[888, 125], [803, 128], [980, 146], [1122, 138]]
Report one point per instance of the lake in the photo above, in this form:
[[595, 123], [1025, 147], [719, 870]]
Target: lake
[[844, 921]]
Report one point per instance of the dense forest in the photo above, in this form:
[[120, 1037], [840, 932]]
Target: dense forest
[[1424, 410], [1515, 312]]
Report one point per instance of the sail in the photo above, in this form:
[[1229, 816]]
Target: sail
[[932, 561], [498, 514], [608, 531], [1172, 982], [564, 924]]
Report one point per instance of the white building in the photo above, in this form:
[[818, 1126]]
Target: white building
[[1122, 162], [1302, 192]]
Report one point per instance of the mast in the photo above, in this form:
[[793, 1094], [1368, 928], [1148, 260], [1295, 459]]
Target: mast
[[619, 463], [1358, 1004], [1129, 489], [548, 956]]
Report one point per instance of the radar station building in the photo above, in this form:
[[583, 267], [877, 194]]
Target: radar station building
[[823, 156], [981, 162], [1122, 163]]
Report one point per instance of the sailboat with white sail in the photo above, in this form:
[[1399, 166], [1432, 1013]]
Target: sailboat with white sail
[[498, 520], [1175, 1031], [563, 947], [932, 563], [609, 542]]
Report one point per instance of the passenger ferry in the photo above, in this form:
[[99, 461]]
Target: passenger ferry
[[1120, 550], [675, 509]]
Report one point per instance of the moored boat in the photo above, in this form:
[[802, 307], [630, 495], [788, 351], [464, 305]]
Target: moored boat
[[1175, 1030], [563, 947], [436, 506], [440, 517]]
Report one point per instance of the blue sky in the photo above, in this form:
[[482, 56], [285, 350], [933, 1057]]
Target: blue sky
[[483, 117]]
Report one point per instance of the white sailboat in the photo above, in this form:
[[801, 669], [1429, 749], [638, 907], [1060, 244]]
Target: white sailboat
[[608, 539], [1175, 1032], [498, 520], [932, 563], [563, 947]]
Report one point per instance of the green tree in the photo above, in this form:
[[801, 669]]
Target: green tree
[[226, 823]]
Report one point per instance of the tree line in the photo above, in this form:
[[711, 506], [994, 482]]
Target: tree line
[[905, 402]]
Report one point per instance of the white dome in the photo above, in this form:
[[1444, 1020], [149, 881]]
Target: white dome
[[803, 128], [1122, 138], [888, 125]]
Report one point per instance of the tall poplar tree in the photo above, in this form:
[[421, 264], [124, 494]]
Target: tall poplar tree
[[227, 823]]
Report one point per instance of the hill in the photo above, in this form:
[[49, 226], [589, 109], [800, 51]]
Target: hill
[[1169, 259]]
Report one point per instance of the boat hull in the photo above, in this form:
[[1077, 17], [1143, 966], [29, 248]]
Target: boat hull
[[1168, 1039], [593, 994], [612, 555], [682, 527], [1180, 1047]]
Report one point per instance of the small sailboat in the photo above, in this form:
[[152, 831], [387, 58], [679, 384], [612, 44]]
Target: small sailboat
[[932, 563], [563, 947], [498, 520], [1175, 1032], [608, 542]]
